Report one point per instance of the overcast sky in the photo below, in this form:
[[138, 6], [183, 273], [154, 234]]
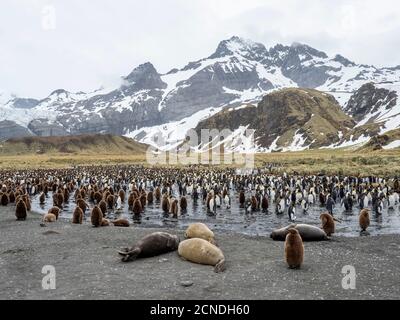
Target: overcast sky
[[83, 44]]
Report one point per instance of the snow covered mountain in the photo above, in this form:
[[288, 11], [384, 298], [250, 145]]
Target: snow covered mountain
[[240, 71]]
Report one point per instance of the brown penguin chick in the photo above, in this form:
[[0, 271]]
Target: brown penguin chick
[[135, 193], [82, 204], [294, 249], [183, 204], [150, 197], [17, 194], [137, 207], [27, 201], [110, 201], [4, 199], [96, 217], [224, 193], [42, 198], [208, 199], [77, 194], [157, 194], [105, 223], [77, 216], [46, 189], [66, 195], [91, 195], [20, 210], [242, 199], [165, 204], [103, 207], [105, 195], [11, 196], [98, 197], [60, 197], [264, 204], [121, 223], [143, 198], [83, 193], [131, 200], [49, 217], [328, 224], [364, 219], [174, 208], [254, 203], [121, 194]]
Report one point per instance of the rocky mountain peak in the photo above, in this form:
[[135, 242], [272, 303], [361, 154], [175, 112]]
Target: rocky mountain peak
[[240, 46], [145, 76], [306, 51], [344, 61], [367, 100]]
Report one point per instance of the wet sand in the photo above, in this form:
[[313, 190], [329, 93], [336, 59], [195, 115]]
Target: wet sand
[[88, 267]]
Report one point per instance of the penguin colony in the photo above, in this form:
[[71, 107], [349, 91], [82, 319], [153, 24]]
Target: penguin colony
[[97, 192]]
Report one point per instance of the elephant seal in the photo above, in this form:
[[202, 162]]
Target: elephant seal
[[307, 233], [151, 245], [121, 223], [55, 211], [294, 249], [328, 224], [203, 252], [200, 230], [49, 217], [364, 220]]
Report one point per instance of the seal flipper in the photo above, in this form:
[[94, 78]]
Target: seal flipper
[[220, 266], [129, 256]]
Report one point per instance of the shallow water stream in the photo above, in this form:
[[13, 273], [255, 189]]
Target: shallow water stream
[[235, 219]]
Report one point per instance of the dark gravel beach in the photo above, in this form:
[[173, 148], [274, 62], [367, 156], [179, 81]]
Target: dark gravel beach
[[88, 267]]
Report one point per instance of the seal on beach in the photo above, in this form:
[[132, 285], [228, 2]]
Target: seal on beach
[[294, 249], [77, 216], [96, 217], [20, 210], [307, 233], [203, 252], [49, 217], [105, 223], [364, 220], [328, 224], [151, 245], [55, 211], [120, 223], [200, 230]]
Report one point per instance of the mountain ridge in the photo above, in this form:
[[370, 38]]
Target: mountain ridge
[[239, 71]]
